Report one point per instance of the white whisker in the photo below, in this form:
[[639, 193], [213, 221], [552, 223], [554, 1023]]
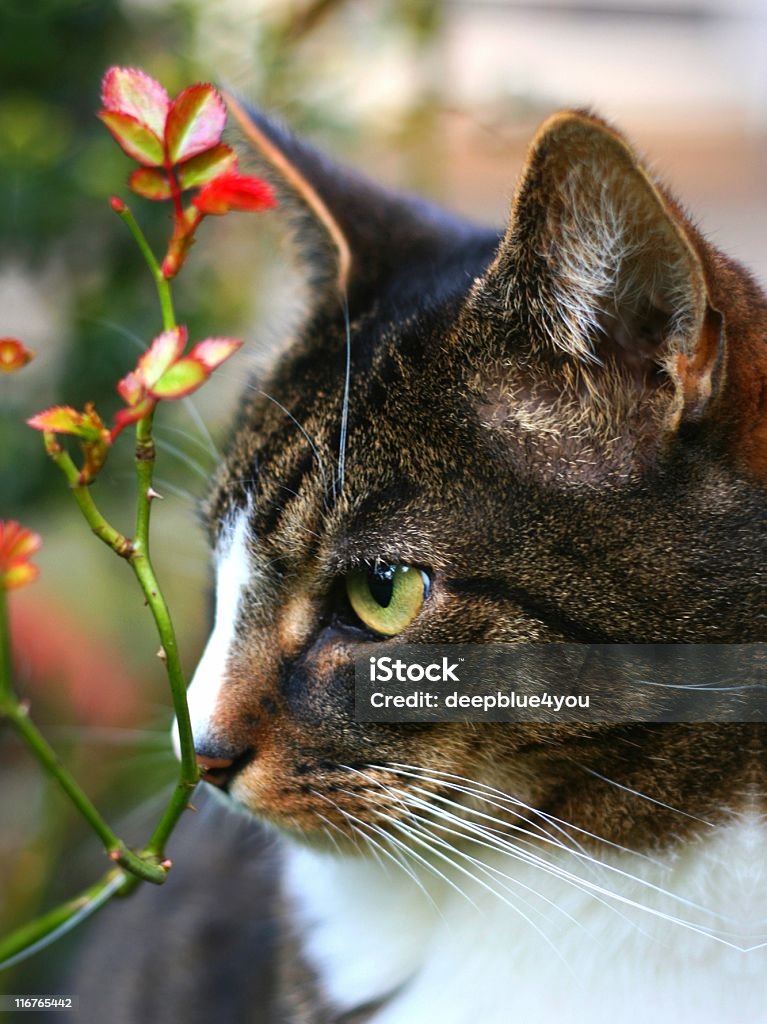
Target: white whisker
[[178, 492], [403, 799], [199, 422], [345, 403], [187, 460], [198, 443], [418, 834], [594, 887], [307, 436], [355, 822], [479, 790], [643, 796], [495, 843]]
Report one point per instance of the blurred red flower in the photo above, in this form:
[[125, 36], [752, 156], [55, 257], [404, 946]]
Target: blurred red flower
[[17, 545], [13, 355]]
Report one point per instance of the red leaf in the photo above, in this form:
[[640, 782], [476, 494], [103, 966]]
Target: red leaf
[[207, 166], [13, 355], [131, 388], [138, 141], [213, 351], [150, 182], [124, 417], [195, 122], [133, 92], [180, 380], [233, 191]]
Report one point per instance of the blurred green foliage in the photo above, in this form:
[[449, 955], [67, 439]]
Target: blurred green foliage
[[70, 270], [57, 165]]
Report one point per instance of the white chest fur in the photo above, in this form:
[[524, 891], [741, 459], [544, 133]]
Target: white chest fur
[[682, 940]]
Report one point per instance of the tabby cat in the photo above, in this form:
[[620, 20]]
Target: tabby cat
[[557, 433]]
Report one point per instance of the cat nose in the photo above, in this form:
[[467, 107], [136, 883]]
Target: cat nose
[[217, 764], [215, 770]]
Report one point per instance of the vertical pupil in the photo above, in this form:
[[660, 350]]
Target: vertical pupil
[[381, 584]]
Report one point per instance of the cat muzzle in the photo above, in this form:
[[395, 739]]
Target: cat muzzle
[[215, 770]]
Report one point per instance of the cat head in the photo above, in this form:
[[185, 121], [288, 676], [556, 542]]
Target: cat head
[[546, 434]]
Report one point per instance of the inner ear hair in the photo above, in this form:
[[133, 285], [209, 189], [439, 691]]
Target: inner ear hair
[[599, 265]]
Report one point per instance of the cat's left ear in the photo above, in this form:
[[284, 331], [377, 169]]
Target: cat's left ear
[[601, 269], [352, 236]]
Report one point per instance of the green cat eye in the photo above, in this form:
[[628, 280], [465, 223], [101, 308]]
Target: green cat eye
[[387, 598]]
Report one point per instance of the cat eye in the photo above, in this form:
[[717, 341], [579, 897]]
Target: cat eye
[[387, 598]]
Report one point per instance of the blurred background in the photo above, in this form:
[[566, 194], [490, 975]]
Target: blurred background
[[437, 96]]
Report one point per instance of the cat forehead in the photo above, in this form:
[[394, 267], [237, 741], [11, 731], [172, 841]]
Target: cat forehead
[[400, 424]]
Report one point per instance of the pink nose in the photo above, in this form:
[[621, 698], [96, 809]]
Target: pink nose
[[214, 770]]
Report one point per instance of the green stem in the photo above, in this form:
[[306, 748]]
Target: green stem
[[141, 564], [45, 929], [103, 530], [161, 282], [149, 864], [137, 554]]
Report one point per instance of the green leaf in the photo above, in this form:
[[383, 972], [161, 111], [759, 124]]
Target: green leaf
[[138, 141], [151, 183], [63, 419], [195, 122], [206, 166], [181, 379], [160, 356]]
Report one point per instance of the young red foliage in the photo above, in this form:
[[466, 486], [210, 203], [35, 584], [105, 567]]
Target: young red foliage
[[17, 545], [233, 191], [178, 145], [13, 355]]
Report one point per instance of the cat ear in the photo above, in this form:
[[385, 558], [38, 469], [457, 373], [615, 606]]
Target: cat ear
[[352, 235], [602, 269]]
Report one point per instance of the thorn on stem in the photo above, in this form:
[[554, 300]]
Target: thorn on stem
[[191, 807], [152, 494], [167, 863], [162, 655], [114, 855]]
